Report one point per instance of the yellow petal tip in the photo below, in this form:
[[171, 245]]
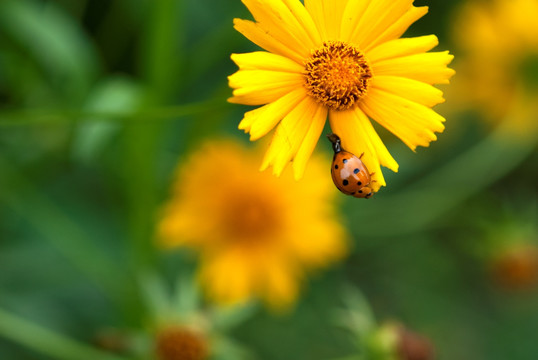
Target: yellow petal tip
[[233, 100], [255, 137], [263, 166], [297, 173]]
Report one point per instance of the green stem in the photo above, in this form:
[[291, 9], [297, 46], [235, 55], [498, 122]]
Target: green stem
[[159, 50], [162, 49], [46, 341], [160, 53], [39, 116]]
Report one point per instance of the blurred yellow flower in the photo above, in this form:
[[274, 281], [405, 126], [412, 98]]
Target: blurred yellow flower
[[499, 40], [256, 234], [342, 59]]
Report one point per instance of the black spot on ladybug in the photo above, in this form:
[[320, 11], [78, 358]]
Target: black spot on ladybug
[[346, 182], [345, 161], [360, 191], [356, 171], [359, 183], [353, 193], [336, 166]]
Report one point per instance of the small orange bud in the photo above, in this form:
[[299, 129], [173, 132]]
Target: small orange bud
[[177, 343], [412, 346], [517, 268]]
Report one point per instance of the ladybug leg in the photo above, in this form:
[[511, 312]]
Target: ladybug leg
[[360, 157], [372, 174]]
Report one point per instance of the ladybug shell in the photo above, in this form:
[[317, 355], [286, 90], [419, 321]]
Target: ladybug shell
[[350, 175]]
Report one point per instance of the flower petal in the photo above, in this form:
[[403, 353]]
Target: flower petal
[[266, 40], [359, 136], [263, 60], [175, 225], [402, 47], [309, 143], [327, 240], [260, 121], [304, 18], [289, 135], [316, 10], [378, 17], [409, 89], [329, 14], [275, 17], [280, 284], [430, 68], [413, 123], [353, 14], [399, 27], [259, 87], [235, 286], [334, 10]]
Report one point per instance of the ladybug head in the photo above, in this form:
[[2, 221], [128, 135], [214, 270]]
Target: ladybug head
[[335, 140]]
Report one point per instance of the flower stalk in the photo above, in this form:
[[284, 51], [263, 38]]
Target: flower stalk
[[46, 341]]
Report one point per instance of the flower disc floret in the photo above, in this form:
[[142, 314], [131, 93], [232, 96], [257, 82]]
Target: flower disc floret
[[337, 75], [251, 217]]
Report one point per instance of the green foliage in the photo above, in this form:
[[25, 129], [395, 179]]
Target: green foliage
[[98, 102]]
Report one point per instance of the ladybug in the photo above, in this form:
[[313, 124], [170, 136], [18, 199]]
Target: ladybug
[[349, 173]]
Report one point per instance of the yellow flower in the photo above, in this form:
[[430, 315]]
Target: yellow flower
[[257, 235], [499, 40], [342, 59]]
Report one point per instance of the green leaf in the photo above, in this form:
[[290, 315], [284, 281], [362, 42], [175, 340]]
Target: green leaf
[[112, 96], [54, 41]]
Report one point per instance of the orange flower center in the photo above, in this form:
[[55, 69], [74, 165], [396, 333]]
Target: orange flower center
[[251, 216], [337, 75], [177, 343]]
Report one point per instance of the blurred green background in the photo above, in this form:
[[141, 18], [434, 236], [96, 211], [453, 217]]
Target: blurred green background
[[99, 100]]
